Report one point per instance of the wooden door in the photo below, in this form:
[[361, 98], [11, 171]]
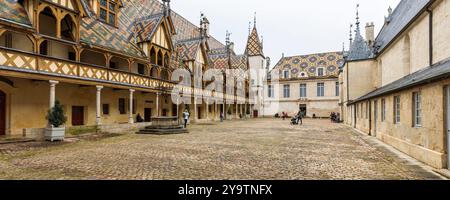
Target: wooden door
[[147, 114], [174, 110], [199, 113], [77, 115], [2, 113], [255, 114]]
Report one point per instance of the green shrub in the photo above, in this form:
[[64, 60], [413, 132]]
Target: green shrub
[[56, 115]]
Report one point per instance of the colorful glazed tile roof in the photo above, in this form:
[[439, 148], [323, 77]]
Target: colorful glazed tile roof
[[145, 28], [187, 50], [254, 45], [120, 39], [239, 62], [11, 10], [305, 66], [219, 61]]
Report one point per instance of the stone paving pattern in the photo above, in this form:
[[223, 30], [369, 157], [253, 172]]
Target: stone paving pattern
[[247, 149]]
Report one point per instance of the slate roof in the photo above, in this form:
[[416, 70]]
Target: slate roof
[[438, 71], [359, 48], [11, 10], [305, 66], [403, 14]]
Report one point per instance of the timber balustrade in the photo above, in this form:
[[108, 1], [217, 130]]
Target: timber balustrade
[[16, 60]]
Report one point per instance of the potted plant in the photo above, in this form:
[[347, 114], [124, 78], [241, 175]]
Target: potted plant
[[56, 120]]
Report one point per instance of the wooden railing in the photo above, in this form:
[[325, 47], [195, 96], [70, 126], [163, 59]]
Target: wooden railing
[[17, 60]]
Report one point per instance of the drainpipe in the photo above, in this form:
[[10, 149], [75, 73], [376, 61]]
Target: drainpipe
[[430, 37], [370, 117]]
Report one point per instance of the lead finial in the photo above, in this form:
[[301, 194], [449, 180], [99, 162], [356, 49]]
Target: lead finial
[[351, 36], [254, 20], [357, 14]]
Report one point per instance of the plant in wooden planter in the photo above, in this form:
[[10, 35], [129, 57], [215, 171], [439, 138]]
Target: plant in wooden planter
[[56, 120]]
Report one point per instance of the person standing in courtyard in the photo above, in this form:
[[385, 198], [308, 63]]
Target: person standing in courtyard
[[300, 117], [221, 116], [185, 117]]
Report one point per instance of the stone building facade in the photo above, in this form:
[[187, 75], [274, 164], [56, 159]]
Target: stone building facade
[[306, 82], [396, 87], [107, 61]]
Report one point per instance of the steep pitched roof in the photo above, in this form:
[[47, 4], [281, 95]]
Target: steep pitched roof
[[145, 28], [239, 62], [120, 39], [254, 45], [305, 66], [11, 10], [438, 71], [403, 14], [188, 49]]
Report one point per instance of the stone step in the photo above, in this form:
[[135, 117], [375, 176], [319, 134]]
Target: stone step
[[162, 132]]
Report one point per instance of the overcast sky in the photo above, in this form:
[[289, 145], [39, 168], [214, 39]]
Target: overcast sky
[[292, 27]]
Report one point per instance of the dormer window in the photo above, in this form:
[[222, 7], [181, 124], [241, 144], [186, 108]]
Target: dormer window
[[320, 72], [108, 11]]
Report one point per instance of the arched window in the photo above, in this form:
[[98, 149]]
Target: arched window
[[164, 75], [166, 60], [47, 22], [153, 56], [160, 58], [68, 28], [407, 55], [154, 72]]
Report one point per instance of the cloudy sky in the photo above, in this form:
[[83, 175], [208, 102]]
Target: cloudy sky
[[292, 27]]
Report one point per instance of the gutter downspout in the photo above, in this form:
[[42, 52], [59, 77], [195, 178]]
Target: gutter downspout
[[370, 117], [430, 36]]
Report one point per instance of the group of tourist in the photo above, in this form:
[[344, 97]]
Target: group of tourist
[[335, 117]]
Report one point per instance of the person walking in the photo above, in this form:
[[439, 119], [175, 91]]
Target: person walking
[[300, 117], [186, 117]]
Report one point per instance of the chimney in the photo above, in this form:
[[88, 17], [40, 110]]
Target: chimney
[[370, 33]]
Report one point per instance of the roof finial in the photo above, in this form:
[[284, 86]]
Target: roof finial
[[262, 42], [351, 36], [357, 15], [249, 28], [227, 38], [254, 20]]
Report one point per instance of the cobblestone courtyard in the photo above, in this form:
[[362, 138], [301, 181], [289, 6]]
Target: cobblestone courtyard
[[250, 149]]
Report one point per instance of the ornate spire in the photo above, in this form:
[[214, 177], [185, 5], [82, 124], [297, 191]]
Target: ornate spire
[[254, 44], [166, 4], [359, 48]]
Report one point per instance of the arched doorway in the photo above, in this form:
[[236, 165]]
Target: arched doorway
[[2, 113]]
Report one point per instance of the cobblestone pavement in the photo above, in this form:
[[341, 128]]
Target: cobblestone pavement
[[249, 149]]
